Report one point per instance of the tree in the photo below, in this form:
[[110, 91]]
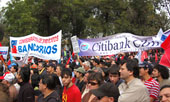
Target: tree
[[18, 18], [83, 17]]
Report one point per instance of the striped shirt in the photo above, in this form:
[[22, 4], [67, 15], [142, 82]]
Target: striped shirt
[[153, 88]]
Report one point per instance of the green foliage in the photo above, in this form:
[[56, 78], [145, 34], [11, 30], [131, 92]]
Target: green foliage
[[83, 17], [18, 18]]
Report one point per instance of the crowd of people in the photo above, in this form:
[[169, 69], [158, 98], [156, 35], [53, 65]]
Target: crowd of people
[[118, 78]]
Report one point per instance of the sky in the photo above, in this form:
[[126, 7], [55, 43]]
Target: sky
[[3, 3]]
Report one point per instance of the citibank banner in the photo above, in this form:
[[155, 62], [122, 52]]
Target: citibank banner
[[42, 47], [124, 42]]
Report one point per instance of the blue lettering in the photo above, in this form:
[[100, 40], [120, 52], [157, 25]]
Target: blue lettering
[[54, 49], [20, 48], [34, 47], [115, 46], [48, 50], [30, 46], [45, 48], [24, 48], [127, 43], [110, 46], [40, 49], [37, 48], [144, 43], [94, 46], [134, 43]]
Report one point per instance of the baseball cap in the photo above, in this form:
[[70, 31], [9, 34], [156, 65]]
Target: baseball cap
[[145, 65], [106, 89], [8, 77], [80, 69], [12, 64]]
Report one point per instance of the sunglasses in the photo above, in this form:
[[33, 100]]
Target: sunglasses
[[92, 83]]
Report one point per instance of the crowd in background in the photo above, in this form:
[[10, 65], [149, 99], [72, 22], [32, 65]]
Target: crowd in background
[[116, 78]]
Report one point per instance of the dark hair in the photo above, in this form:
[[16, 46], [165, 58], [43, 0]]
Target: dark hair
[[132, 65], [43, 64], [108, 64], [60, 66], [96, 76], [52, 66], [165, 86], [114, 69], [90, 71], [148, 66], [82, 74], [35, 78], [162, 70], [25, 73], [66, 71], [16, 67], [96, 61], [50, 81]]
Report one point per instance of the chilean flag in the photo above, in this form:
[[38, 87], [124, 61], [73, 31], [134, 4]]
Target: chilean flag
[[165, 60]]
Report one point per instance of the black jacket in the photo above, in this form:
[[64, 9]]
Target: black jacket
[[53, 97], [26, 93]]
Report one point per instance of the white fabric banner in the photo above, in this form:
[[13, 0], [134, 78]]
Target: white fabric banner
[[48, 48], [123, 42], [4, 51]]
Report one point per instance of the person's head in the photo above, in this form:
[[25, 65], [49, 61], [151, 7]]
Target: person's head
[[4, 93], [66, 75], [160, 71], [35, 78], [13, 67], [95, 80], [23, 74], [129, 69], [164, 94], [58, 70], [47, 82], [107, 92], [80, 72], [41, 65], [145, 69], [8, 79], [51, 68], [96, 62], [86, 65], [86, 75], [114, 74]]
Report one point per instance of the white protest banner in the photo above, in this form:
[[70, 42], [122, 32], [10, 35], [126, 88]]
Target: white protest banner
[[123, 42], [4, 51], [48, 48], [75, 44]]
